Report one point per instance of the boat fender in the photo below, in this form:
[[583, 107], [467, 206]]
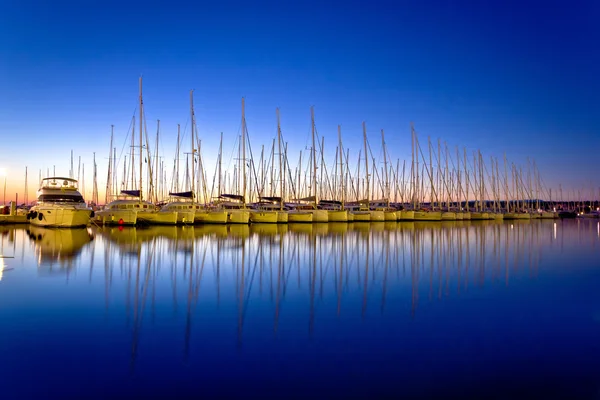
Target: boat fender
[[40, 216], [92, 214]]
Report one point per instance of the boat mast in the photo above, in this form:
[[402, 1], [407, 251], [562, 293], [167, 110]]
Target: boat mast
[[219, 165], [448, 191], [412, 168], [430, 173], [458, 181], [26, 197], [466, 179], [341, 152], [243, 144], [364, 126], [387, 181], [110, 172], [141, 133], [177, 159], [314, 154], [193, 123], [281, 174], [156, 173]]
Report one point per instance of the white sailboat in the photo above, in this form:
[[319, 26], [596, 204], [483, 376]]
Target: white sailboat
[[184, 205], [132, 209]]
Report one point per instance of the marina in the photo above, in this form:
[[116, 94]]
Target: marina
[[238, 200]]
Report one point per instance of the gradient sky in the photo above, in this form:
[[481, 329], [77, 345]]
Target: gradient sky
[[515, 78]]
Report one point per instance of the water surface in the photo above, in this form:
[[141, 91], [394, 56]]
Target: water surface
[[420, 310]]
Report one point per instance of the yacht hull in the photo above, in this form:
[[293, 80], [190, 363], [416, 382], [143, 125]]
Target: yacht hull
[[390, 216], [211, 217], [449, 216], [337, 216], [320, 215], [263, 217], [60, 217], [116, 217], [407, 215], [282, 217], [238, 216], [377, 216], [361, 216], [300, 217], [428, 215]]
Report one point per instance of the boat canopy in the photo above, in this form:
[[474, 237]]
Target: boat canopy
[[272, 198], [134, 193], [331, 202], [59, 178], [233, 196], [309, 198], [187, 195]]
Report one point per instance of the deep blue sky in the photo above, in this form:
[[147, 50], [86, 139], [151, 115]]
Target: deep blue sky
[[516, 77]]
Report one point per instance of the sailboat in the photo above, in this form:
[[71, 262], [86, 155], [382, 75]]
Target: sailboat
[[389, 213], [282, 214], [335, 208], [425, 214], [318, 214], [185, 205], [375, 215], [132, 208], [237, 212]]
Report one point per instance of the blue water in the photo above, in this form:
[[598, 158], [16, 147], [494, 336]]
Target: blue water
[[402, 310]]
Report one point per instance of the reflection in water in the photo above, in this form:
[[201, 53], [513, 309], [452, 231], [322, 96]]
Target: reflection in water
[[58, 247], [283, 283], [260, 262]]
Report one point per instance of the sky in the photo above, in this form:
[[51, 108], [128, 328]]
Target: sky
[[515, 78]]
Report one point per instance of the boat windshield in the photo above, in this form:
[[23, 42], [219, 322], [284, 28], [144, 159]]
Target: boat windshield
[[62, 198]]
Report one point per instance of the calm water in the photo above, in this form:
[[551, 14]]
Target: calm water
[[486, 310]]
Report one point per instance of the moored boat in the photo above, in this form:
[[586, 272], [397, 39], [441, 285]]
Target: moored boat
[[59, 204]]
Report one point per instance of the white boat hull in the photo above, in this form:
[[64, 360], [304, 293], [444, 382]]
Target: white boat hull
[[157, 217], [299, 217], [60, 217], [263, 217], [116, 217]]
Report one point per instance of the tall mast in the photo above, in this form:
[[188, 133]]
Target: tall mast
[[412, 168], [156, 174], [314, 154], [481, 182], [280, 161], [141, 134], [177, 159], [219, 165], [132, 155], [387, 182], [458, 181], [466, 179], [430, 173], [506, 185], [193, 123], [243, 151], [364, 126], [95, 183], [448, 192], [342, 194], [439, 173], [26, 197], [110, 167]]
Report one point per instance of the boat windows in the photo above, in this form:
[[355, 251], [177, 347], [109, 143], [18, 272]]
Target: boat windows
[[62, 198]]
